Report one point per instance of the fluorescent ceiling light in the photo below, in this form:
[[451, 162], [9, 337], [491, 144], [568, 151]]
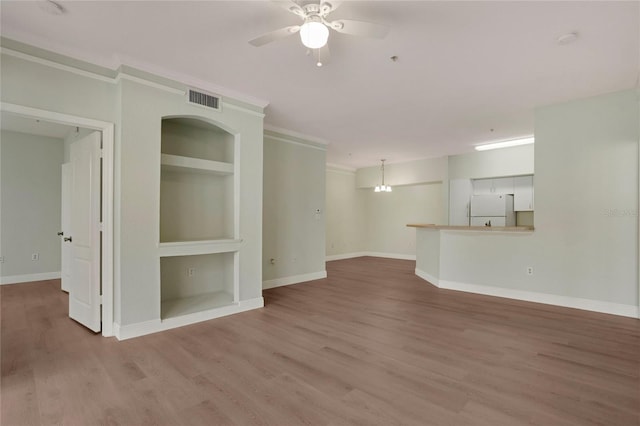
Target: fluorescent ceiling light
[[505, 144]]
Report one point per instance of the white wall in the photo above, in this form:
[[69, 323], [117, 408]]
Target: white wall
[[294, 189], [30, 187]]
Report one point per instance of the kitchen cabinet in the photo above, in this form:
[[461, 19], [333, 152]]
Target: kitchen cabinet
[[523, 193], [504, 185]]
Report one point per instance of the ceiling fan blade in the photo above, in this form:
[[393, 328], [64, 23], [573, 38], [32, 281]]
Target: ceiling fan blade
[[359, 28], [322, 55], [328, 6], [290, 6], [274, 35]]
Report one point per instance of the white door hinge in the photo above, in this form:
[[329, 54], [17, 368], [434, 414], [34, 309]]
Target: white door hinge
[[101, 226], [101, 299]]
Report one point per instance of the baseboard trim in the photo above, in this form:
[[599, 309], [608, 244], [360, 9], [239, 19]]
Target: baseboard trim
[[392, 255], [545, 298], [345, 256], [372, 254], [26, 278], [124, 332], [294, 279], [428, 278]]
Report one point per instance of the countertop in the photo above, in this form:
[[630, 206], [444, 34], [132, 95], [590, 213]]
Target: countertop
[[473, 228]]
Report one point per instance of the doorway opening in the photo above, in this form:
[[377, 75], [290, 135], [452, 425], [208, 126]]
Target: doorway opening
[[104, 132]]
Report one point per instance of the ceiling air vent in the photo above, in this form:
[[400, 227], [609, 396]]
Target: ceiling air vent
[[204, 99]]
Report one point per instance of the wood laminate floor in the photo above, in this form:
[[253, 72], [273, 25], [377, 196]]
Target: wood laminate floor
[[370, 345]]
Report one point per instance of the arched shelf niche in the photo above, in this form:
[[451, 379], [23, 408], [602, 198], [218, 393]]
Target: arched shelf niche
[[197, 185]]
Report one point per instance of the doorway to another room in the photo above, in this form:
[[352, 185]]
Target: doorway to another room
[[57, 178]]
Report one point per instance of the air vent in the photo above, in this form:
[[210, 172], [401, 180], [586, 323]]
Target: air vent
[[204, 99]]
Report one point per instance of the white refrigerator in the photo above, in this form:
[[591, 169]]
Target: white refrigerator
[[492, 210]]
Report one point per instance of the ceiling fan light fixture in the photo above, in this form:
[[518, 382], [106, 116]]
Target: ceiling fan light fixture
[[313, 34]]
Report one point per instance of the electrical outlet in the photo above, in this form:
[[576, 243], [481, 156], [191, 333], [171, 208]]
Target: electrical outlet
[[35, 256], [529, 270], [191, 272]]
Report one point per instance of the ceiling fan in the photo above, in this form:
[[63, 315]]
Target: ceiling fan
[[314, 31]]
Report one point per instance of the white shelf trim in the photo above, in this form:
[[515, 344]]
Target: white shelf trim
[[198, 303], [190, 164], [185, 248]]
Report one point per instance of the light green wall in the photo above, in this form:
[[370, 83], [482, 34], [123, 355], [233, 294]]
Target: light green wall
[[408, 173], [136, 110], [142, 110], [346, 220], [30, 190], [387, 216], [585, 242], [518, 160], [294, 188]]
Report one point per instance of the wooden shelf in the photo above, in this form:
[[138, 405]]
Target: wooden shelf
[[184, 248], [199, 303], [194, 165]]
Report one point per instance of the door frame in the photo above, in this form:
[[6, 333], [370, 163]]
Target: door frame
[[107, 130]]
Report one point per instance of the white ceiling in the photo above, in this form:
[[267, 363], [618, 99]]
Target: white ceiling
[[463, 68]]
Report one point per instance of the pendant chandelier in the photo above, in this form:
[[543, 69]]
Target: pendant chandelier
[[383, 187]]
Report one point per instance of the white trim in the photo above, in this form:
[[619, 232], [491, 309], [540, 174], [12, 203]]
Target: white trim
[[244, 110], [27, 278], [332, 167], [285, 140], [547, 299], [345, 256], [123, 332], [177, 77], [371, 254], [108, 143], [294, 134], [434, 281], [56, 65], [124, 76], [391, 255], [189, 80], [294, 279]]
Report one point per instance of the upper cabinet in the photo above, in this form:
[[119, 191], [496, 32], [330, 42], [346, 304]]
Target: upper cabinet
[[493, 186], [520, 186], [523, 193]]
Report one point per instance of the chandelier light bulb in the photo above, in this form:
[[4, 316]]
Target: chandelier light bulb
[[314, 35]]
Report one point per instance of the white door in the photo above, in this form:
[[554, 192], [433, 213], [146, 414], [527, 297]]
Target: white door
[[65, 228], [84, 288]]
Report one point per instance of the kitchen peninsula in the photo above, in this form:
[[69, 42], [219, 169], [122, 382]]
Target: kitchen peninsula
[[464, 257]]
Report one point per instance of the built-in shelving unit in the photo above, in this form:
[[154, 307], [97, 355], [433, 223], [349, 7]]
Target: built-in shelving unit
[[178, 163], [199, 245]]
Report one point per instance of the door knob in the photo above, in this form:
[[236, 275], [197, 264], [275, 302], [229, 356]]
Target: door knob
[[60, 233], [68, 239]]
